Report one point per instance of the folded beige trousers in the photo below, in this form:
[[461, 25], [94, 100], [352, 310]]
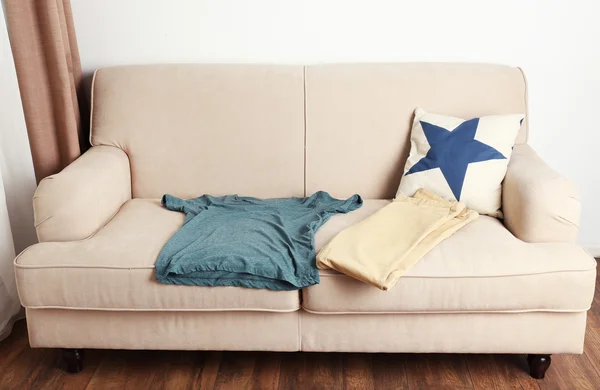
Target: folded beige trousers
[[384, 246]]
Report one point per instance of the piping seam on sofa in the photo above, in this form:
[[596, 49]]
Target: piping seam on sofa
[[160, 310], [302, 308], [448, 311], [146, 267]]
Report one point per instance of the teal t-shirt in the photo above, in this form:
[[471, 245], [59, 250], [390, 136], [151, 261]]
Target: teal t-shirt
[[247, 242]]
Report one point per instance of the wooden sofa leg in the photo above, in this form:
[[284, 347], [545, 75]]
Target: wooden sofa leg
[[74, 360], [538, 365]]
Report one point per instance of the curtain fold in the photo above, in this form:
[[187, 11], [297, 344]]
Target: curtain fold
[[44, 45]]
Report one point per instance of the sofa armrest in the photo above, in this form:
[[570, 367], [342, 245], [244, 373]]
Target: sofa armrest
[[538, 204], [75, 203]]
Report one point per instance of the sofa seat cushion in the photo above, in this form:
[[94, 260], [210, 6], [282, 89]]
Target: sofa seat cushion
[[114, 270], [481, 268]]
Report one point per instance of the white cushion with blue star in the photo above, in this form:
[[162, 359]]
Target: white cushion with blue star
[[459, 159]]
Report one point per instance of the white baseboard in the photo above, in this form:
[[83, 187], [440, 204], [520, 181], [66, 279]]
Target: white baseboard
[[593, 250]]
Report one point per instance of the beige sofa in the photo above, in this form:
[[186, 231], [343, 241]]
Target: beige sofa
[[515, 286]]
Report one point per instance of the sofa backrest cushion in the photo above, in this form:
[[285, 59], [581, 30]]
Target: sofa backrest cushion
[[358, 116], [195, 129], [279, 131]]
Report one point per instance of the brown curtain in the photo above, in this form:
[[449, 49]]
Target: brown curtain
[[44, 46]]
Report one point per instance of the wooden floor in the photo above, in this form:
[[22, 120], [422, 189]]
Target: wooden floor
[[24, 368]]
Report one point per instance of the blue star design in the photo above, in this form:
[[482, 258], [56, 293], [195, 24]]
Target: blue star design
[[453, 151]]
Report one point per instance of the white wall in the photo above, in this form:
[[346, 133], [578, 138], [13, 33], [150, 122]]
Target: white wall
[[16, 166], [557, 42]]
